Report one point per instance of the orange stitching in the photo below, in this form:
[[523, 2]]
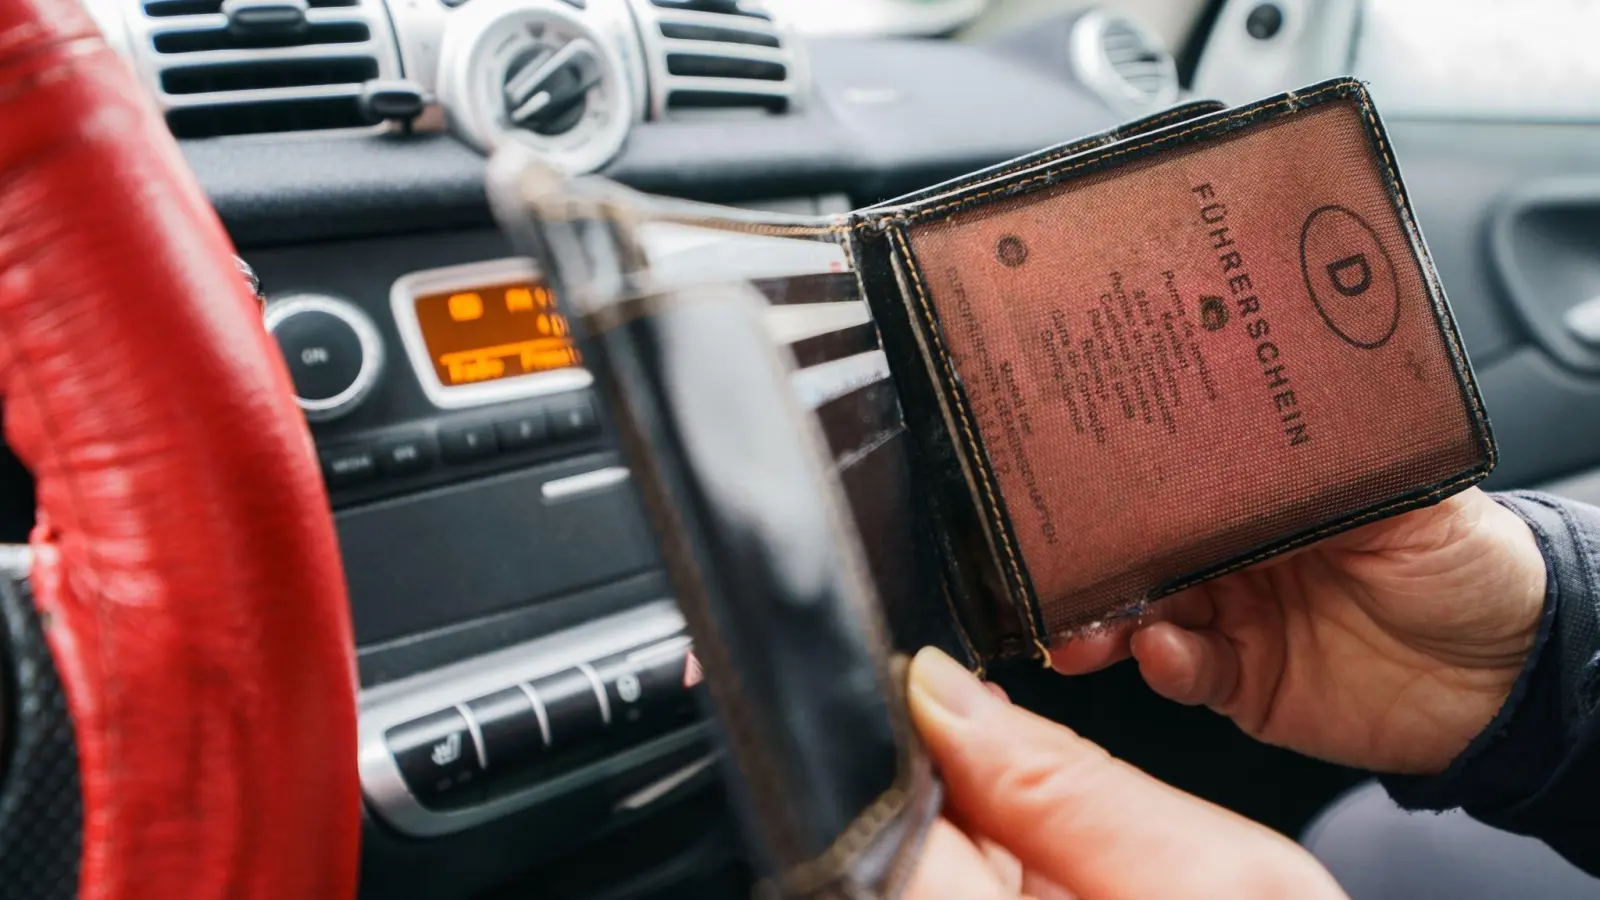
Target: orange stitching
[[1291, 101], [1463, 368], [966, 426]]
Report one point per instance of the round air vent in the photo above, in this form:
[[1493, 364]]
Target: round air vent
[[1124, 62], [535, 72]]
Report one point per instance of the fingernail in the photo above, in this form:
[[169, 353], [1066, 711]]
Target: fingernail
[[947, 684]]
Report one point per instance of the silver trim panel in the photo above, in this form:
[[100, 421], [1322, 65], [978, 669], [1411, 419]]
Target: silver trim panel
[[389, 705], [582, 483], [654, 791], [402, 304]]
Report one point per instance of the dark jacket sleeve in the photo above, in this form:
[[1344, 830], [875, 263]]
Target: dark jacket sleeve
[[1535, 770]]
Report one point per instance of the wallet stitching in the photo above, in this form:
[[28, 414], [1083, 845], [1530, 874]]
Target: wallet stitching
[[1106, 138], [1340, 89], [1463, 368], [1103, 139], [1467, 477], [860, 231], [1464, 377], [1463, 371], [950, 380]]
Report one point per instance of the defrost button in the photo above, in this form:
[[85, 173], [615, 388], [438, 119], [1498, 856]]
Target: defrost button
[[515, 730], [573, 705]]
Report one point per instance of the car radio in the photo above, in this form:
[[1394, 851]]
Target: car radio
[[517, 648], [475, 335]]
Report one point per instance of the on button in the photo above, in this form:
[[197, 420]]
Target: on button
[[332, 351]]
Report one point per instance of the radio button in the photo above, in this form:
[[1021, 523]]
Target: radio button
[[342, 467], [438, 760], [573, 418], [573, 708], [645, 686], [404, 456], [523, 432], [465, 443], [513, 730], [332, 350]]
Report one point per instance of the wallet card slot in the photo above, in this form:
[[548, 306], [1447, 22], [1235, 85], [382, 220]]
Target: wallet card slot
[[769, 573], [836, 286], [973, 588], [751, 521], [1171, 357], [835, 345], [962, 423]]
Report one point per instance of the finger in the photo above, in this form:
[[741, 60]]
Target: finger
[[1003, 863], [1077, 817], [1038, 887], [1196, 668], [1098, 647], [1092, 650], [951, 868], [998, 691]]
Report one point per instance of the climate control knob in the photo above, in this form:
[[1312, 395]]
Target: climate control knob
[[332, 349]]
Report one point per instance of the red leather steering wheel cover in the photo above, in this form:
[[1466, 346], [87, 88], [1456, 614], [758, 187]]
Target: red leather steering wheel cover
[[185, 566]]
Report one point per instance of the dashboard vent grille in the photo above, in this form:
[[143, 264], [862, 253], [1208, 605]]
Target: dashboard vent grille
[[1124, 62], [215, 78], [718, 55]]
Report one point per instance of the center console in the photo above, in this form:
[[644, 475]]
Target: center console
[[521, 661]]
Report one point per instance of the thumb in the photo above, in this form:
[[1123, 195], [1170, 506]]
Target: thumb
[[1072, 813]]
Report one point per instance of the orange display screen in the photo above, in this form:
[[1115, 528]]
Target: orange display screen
[[494, 332]]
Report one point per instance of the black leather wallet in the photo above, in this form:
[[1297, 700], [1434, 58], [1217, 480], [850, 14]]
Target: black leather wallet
[[997, 411]]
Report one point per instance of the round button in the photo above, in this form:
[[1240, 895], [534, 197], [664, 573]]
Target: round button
[[331, 348], [1264, 22], [540, 74]]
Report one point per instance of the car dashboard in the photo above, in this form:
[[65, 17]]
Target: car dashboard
[[524, 722]]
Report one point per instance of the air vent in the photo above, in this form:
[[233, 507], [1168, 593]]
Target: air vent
[[718, 55], [1124, 62], [228, 67]]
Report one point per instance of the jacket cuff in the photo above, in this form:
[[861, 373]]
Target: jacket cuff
[[1515, 755]]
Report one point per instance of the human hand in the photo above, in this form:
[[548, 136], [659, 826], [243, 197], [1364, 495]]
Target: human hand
[[1388, 647], [1033, 810]]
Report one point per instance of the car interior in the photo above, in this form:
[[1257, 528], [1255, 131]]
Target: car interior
[[523, 724]]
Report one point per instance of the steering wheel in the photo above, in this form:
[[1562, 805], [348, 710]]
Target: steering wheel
[[184, 630]]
